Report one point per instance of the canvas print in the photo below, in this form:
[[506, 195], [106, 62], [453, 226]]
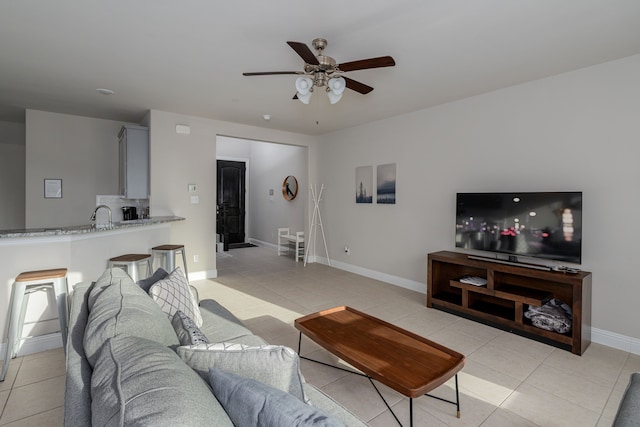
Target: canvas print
[[386, 188], [364, 184]]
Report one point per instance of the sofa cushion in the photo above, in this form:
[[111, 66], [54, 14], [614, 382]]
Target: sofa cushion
[[172, 294], [186, 330], [117, 306], [140, 382], [276, 366], [629, 410], [319, 399], [146, 284], [219, 324], [252, 403]]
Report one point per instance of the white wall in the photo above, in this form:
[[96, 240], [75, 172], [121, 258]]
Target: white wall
[[12, 175], [576, 131], [81, 151], [268, 164], [179, 160]]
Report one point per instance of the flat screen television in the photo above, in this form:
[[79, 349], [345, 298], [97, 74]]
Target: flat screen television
[[544, 225]]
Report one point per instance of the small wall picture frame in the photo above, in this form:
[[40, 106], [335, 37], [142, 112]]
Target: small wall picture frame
[[52, 188]]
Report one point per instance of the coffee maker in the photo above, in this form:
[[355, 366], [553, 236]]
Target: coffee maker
[[129, 213]]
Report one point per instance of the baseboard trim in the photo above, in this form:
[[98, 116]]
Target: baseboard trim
[[372, 274], [263, 244], [37, 344], [612, 339], [203, 275]]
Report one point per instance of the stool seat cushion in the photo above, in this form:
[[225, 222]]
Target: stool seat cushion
[[167, 247], [140, 382], [117, 306], [30, 276], [173, 293]]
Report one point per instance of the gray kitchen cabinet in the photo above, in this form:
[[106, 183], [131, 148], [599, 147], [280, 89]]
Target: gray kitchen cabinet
[[134, 162]]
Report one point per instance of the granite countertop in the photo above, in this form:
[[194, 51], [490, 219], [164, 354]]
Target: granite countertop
[[87, 228]]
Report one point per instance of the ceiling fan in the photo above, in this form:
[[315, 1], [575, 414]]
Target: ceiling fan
[[322, 71]]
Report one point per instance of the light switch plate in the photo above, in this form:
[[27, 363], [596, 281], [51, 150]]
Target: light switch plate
[[192, 188]]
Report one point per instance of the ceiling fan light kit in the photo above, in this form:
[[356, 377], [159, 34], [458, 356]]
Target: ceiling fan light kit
[[323, 71]]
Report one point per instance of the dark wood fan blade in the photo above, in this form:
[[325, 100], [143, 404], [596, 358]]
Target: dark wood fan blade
[[363, 64], [305, 53], [357, 86], [271, 73]]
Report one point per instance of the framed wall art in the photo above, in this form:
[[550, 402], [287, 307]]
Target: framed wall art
[[386, 184], [364, 184]]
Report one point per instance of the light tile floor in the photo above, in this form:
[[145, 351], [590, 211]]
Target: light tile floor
[[507, 380], [32, 393]]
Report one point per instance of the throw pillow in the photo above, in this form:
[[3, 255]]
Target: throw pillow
[[172, 294], [252, 403], [186, 330], [146, 284], [276, 366]]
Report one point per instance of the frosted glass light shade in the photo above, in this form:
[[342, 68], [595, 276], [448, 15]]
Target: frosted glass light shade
[[333, 98], [304, 98], [337, 85], [303, 85]]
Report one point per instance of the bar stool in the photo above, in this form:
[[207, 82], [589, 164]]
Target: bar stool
[[169, 252], [131, 264], [25, 284]]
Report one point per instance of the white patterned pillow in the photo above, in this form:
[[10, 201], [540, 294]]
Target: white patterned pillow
[[172, 294], [275, 365]]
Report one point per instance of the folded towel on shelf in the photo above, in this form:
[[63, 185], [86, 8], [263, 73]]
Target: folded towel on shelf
[[553, 316]]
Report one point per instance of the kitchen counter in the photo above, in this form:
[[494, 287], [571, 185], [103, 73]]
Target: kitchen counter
[[87, 228], [84, 251]]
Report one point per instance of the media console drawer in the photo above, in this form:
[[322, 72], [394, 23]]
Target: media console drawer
[[508, 293]]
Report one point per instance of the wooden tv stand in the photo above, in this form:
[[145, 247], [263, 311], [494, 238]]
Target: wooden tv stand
[[510, 289]]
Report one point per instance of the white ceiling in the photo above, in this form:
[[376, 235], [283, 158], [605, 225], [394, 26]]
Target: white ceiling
[[188, 56]]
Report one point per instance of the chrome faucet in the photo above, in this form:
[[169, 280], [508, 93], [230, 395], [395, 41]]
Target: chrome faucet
[[93, 216]]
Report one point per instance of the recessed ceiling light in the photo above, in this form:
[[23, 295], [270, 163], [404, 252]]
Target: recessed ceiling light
[[105, 91], [267, 117]]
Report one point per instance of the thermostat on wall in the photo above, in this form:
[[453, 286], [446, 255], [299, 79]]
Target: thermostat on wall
[[183, 129]]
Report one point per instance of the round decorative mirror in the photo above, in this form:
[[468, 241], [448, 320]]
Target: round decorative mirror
[[290, 188]]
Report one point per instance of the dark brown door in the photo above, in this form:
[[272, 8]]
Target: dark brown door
[[230, 199]]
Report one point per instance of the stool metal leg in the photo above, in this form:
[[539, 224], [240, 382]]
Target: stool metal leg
[[133, 267], [184, 261], [22, 297], [169, 259], [10, 337], [59, 287]]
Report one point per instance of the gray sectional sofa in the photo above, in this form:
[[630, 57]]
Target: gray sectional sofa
[[123, 366], [628, 414]]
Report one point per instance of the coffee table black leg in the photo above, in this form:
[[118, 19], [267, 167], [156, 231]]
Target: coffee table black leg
[[457, 402], [411, 411], [457, 398]]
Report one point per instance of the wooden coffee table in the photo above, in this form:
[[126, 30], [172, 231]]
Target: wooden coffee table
[[408, 363]]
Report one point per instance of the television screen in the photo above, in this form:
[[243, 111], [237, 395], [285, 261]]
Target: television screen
[[543, 225]]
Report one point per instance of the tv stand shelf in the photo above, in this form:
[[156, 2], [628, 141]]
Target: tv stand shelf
[[509, 291]]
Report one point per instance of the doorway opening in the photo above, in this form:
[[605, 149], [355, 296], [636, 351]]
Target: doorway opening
[[230, 202], [250, 203]]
